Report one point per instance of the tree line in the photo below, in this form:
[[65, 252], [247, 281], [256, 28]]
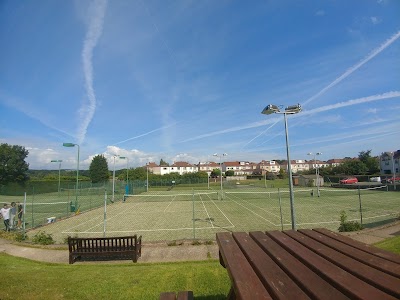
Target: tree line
[[14, 168]]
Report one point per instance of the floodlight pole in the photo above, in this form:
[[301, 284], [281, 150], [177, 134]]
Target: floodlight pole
[[127, 166], [113, 186], [77, 171], [220, 166], [393, 172], [59, 173], [147, 177], [316, 170], [294, 109], [292, 209]]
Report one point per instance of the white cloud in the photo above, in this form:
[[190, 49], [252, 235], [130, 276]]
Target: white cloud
[[375, 20]]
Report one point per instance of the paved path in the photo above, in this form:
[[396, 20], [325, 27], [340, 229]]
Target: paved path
[[185, 252]]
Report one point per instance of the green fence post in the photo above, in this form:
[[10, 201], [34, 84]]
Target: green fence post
[[359, 200], [280, 206], [194, 220]]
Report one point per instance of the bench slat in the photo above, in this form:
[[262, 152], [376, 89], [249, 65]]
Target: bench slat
[[312, 284], [361, 246], [375, 262], [246, 283], [277, 282], [344, 281], [375, 277], [185, 295]]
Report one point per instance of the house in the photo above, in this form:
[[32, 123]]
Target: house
[[239, 167], [334, 162], [268, 166], [311, 180], [389, 162], [207, 167], [180, 167], [296, 165], [317, 164]]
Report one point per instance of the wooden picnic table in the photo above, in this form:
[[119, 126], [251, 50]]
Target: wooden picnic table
[[307, 264]]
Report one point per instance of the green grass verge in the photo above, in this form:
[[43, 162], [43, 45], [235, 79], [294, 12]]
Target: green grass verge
[[26, 279], [392, 244]]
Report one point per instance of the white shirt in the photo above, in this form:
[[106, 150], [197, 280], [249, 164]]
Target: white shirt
[[5, 212]]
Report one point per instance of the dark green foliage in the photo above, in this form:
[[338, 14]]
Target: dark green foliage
[[346, 226], [230, 173], [372, 163], [163, 163], [42, 238], [99, 169], [13, 167], [215, 173]]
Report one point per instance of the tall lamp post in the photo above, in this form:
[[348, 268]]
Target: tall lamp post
[[59, 161], [147, 177], [113, 186], [77, 171], [127, 175], [290, 110], [220, 165], [393, 172], [316, 170]]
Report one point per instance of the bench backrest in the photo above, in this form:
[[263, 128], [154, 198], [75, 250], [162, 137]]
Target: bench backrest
[[124, 243]]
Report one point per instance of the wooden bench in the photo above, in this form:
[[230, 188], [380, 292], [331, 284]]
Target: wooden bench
[[304, 264], [184, 295], [126, 247]]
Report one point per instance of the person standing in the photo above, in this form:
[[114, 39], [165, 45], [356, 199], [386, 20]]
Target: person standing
[[5, 213], [20, 211], [13, 213]]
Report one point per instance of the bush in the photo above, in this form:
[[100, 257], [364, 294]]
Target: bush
[[347, 226], [42, 238], [19, 237]]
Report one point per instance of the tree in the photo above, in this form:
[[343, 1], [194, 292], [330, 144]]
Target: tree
[[13, 167], [163, 163], [352, 167], [230, 173], [215, 173], [372, 163], [98, 169]]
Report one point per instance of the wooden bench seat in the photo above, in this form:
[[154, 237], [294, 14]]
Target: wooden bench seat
[[183, 295], [304, 264], [126, 247]]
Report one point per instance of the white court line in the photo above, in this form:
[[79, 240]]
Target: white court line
[[151, 230], [222, 213], [255, 213], [170, 203], [93, 219], [208, 215]]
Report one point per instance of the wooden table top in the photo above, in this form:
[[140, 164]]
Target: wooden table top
[[307, 264]]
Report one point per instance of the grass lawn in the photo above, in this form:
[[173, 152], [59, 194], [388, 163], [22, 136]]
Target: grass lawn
[[392, 245], [26, 279]]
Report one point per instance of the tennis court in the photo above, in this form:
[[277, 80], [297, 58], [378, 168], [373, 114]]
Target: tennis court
[[177, 215]]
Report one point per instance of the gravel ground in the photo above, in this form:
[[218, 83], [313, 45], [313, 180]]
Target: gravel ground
[[165, 253]]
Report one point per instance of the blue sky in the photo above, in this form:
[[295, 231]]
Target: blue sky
[[181, 80]]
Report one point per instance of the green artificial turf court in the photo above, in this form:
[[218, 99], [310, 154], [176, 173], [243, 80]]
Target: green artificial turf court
[[176, 215]]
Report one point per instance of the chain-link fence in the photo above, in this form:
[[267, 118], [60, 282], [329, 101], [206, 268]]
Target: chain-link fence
[[196, 210]]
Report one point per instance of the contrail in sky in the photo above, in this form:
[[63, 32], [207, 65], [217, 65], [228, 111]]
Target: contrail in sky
[[144, 134], [260, 134], [383, 96], [97, 11], [374, 53]]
